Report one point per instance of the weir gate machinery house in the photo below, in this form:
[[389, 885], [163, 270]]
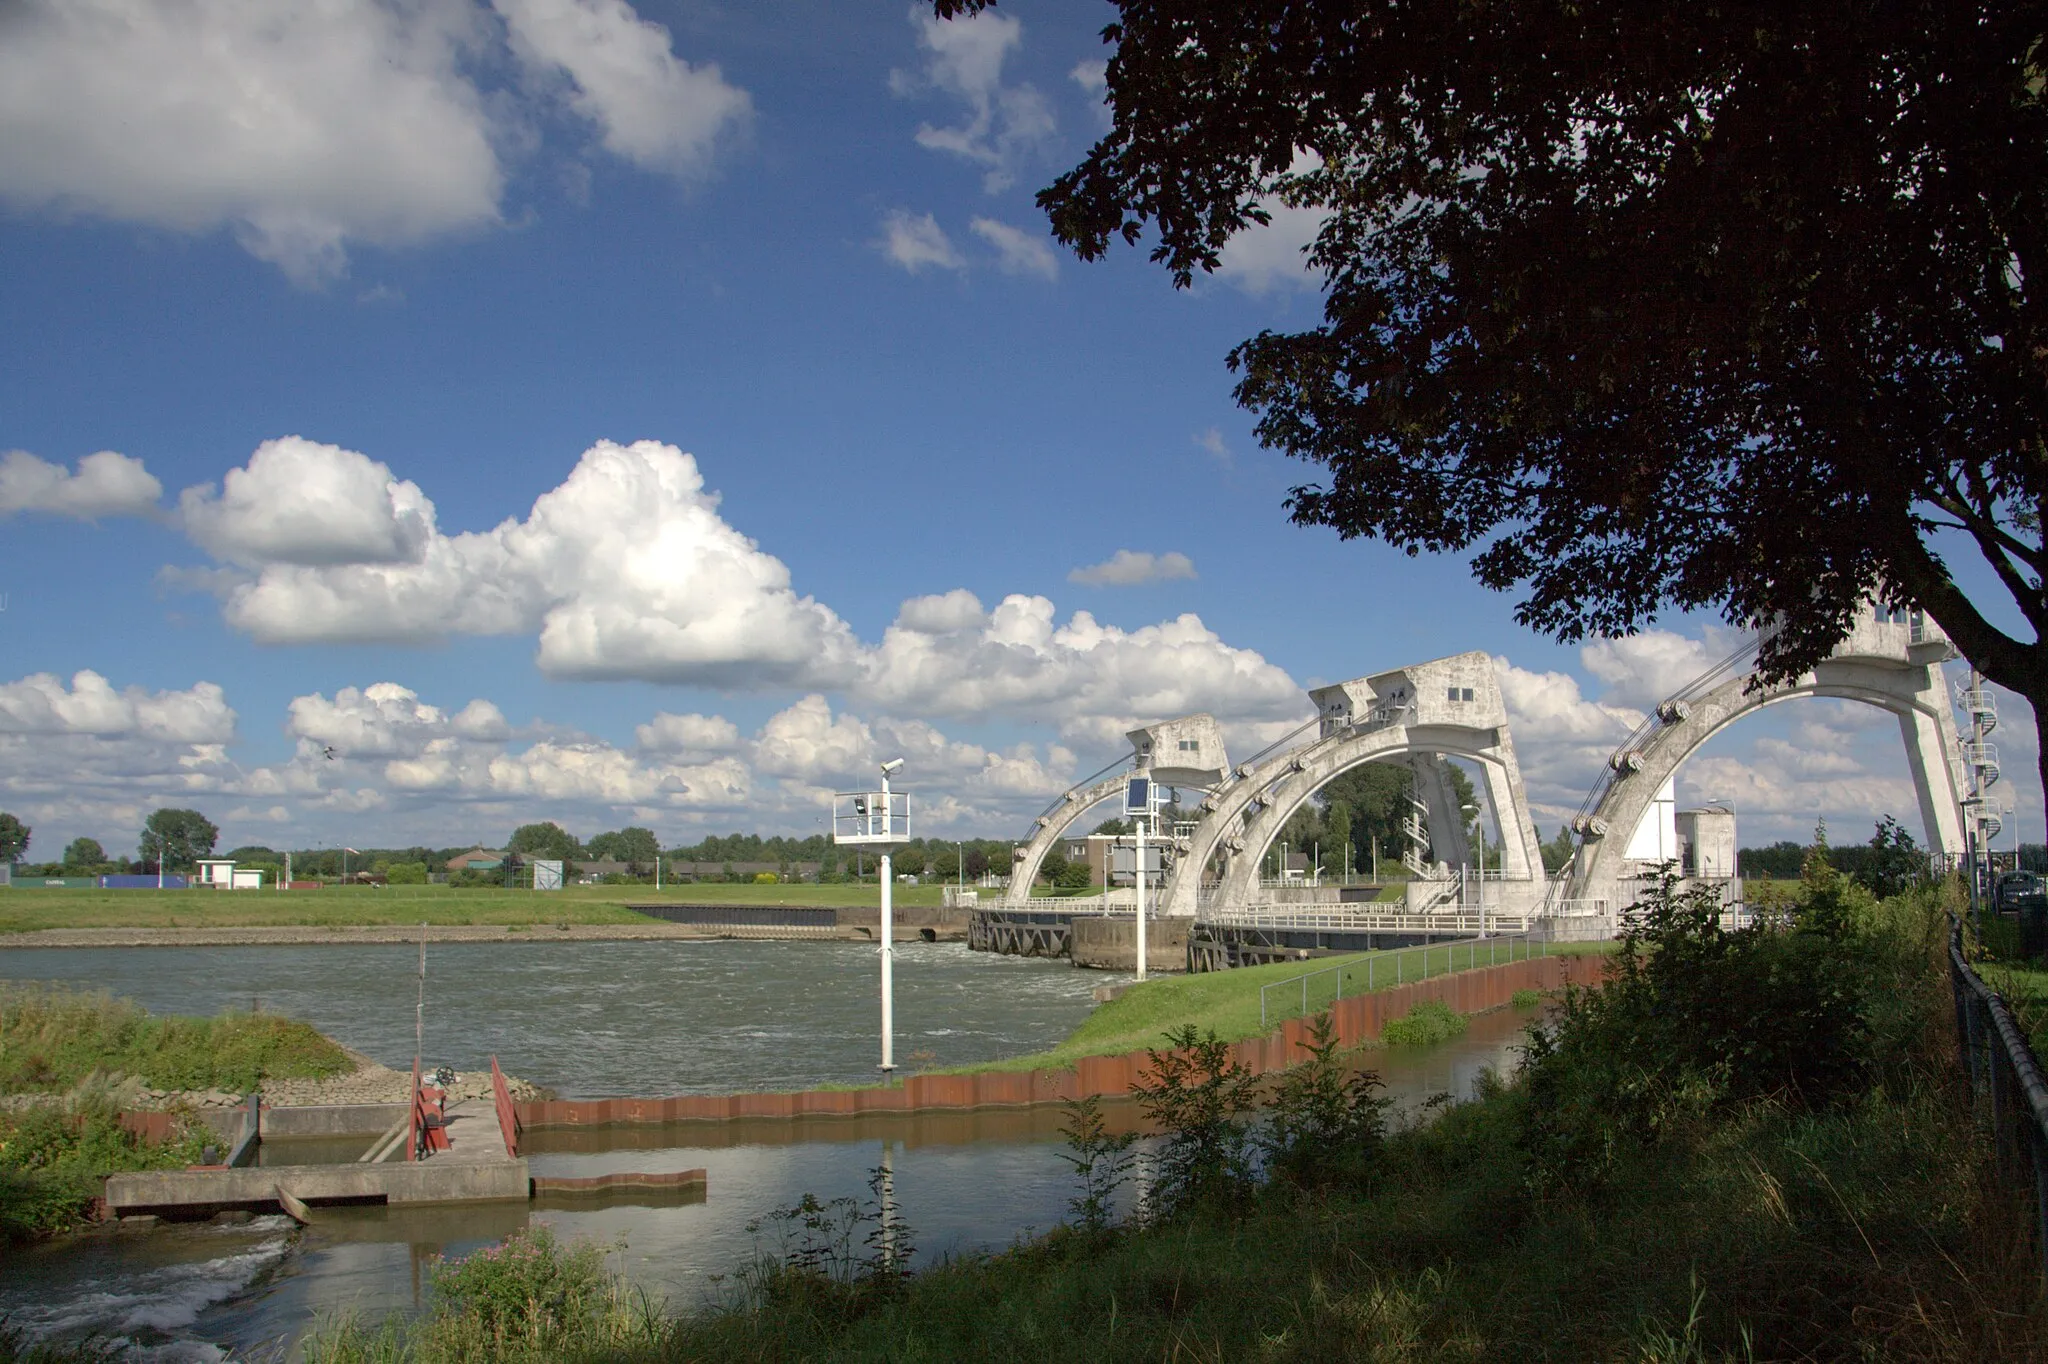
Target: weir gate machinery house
[[1214, 907]]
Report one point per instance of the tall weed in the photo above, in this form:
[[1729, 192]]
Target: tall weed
[[1198, 1097], [1324, 1122]]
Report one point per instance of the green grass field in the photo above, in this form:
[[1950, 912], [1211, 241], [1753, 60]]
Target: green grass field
[[25, 908], [1228, 1001]]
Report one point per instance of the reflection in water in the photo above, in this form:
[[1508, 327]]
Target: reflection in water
[[964, 1182]]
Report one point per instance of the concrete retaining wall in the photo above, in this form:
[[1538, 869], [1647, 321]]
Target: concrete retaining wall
[[1112, 944], [1358, 1019], [432, 1181], [311, 1120]]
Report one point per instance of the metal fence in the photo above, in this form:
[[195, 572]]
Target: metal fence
[[2006, 1080], [1291, 998]]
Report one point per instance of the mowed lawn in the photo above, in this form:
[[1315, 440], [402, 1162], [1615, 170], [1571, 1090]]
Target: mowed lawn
[[24, 908], [1227, 1002]]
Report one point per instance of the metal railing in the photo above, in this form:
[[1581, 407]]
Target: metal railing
[[508, 1113], [2004, 1076], [1485, 952], [1362, 918]]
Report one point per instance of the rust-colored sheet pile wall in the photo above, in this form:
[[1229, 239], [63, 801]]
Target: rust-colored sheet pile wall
[[1358, 1019]]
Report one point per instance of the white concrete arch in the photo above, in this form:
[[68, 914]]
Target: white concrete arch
[[1052, 826], [1185, 751], [1893, 665], [1446, 707], [1265, 816]]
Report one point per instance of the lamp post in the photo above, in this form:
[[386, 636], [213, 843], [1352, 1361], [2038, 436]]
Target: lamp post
[[888, 929], [1735, 815], [1472, 813]]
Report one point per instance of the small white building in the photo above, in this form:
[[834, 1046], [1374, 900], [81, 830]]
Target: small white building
[[219, 873]]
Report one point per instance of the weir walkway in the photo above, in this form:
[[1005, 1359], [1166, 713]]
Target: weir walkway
[[418, 1153]]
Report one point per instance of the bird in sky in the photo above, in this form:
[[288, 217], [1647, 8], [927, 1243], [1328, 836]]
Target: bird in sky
[[328, 752]]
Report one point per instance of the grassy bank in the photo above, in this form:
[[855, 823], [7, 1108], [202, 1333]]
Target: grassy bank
[[52, 1038], [53, 1159], [1748, 1146], [78, 1048], [23, 909], [1227, 1002]]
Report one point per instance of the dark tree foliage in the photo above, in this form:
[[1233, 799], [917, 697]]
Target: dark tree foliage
[[1721, 306], [13, 837], [550, 842], [1892, 864], [1778, 862], [183, 836], [84, 852]]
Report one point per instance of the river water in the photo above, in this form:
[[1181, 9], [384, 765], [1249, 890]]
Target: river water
[[592, 1019]]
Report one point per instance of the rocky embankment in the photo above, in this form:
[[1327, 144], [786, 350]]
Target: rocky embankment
[[369, 1083]]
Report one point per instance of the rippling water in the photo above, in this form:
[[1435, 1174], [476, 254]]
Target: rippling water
[[598, 1018], [595, 1019]]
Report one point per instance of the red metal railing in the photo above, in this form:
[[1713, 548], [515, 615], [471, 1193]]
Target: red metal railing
[[419, 1116], [508, 1116]]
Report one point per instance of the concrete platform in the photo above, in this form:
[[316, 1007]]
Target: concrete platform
[[476, 1168]]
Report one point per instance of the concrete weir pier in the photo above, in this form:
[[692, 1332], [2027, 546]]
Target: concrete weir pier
[[478, 1167]]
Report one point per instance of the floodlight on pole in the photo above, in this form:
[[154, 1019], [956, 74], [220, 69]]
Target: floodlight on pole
[[879, 819], [1138, 800], [1472, 811]]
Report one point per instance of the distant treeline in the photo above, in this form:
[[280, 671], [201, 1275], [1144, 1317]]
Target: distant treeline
[[1862, 861]]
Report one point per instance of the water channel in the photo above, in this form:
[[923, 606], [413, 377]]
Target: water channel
[[592, 1019]]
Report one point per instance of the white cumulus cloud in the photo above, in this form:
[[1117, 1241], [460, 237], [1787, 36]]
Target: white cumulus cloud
[[303, 127], [1083, 677], [302, 502], [1018, 252], [916, 242], [1130, 568], [625, 570], [309, 129], [628, 571], [702, 735], [1273, 257], [652, 108], [42, 704], [964, 57], [105, 484]]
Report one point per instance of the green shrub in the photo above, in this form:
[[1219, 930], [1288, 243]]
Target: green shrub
[[1101, 1161], [1198, 1097], [54, 1156], [1429, 1022], [529, 1288], [406, 874], [1525, 999], [1324, 1122], [1696, 1019], [528, 1299]]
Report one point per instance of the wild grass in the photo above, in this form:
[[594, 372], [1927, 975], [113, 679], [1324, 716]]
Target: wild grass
[[53, 1157], [52, 1037], [1428, 1023]]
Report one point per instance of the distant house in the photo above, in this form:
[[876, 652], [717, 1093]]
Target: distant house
[[589, 873], [476, 859]]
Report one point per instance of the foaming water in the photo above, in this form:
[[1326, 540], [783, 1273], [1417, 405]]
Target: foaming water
[[146, 1292]]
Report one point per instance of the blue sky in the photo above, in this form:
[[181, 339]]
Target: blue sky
[[351, 289]]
